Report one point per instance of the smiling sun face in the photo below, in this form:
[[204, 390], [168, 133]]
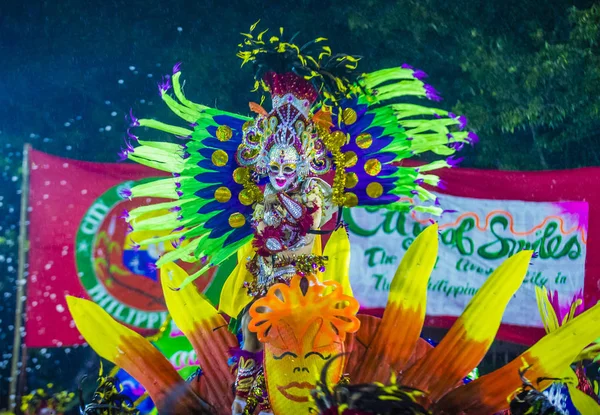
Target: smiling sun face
[[303, 326]]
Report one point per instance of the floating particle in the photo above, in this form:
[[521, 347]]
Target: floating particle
[[60, 308], [180, 29], [46, 140], [101, 129], [84, 192], [78, 118], [149, 75], [32, 135], [114, 113], [67, 124], [107, 102], [132, 68], [107, 128], [14, 178], [121, 82], [142, 101], [69, 147]]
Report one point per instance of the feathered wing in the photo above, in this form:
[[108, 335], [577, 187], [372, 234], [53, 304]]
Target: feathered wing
[[372, 132], [211, 195]]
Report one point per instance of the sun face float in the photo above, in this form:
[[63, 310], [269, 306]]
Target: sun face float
[[309, 323]]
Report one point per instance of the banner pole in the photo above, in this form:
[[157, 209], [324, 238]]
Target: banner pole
[[20, 278]]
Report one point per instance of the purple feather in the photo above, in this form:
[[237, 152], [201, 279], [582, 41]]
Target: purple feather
[[177, 67], [406, 66], [462, 122], [453, 162], [125, 193], [175, 209], [419, 182], [132, 136], [419, 74], [123, 155], [431, 93], [473, 138], [164, 85], [133, 119], [124, 215]]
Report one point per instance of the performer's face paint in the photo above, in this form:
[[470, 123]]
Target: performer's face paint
[[283, 164], [292, 371]]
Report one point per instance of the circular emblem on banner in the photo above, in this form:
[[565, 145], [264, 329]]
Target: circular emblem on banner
[[117, 275]]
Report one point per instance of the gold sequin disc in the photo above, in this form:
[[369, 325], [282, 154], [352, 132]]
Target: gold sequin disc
[[224, 133], [222, 194], [336, 140], [237, 220], [350, 158], [374, 190], [364, 140], [351, 180], [350, 199], [240, 175], [219, 158], [245, 198], [373, 167], [349, 116]]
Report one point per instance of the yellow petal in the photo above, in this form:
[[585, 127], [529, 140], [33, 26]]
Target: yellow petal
[[583, 402], [126, 349], [404, 314], [206, 330], [546, 310], [337, 251], [467, 342], [546, 359], [234, 296]]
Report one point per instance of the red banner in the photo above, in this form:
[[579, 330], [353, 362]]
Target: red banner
[[79, 246]]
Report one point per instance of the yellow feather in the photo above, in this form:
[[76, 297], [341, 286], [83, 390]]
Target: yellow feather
[[254, 25]]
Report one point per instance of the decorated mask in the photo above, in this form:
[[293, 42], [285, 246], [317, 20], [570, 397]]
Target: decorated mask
[[283, 167], [303, 327]]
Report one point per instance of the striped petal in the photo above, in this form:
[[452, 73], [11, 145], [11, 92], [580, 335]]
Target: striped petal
[[548, 358], [130, 351], [404, 314], [467, 342], [206, 330]]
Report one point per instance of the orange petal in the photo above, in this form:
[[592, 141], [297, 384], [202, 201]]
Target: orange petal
[[127, 349], [548, 358], [207, 332], [404, 314], [467, 342]]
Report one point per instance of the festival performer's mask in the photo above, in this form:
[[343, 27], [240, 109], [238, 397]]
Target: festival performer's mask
[[283, 144], [283, 165], [303, 327]]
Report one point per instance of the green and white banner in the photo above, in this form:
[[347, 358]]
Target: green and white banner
[[476, 236]]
